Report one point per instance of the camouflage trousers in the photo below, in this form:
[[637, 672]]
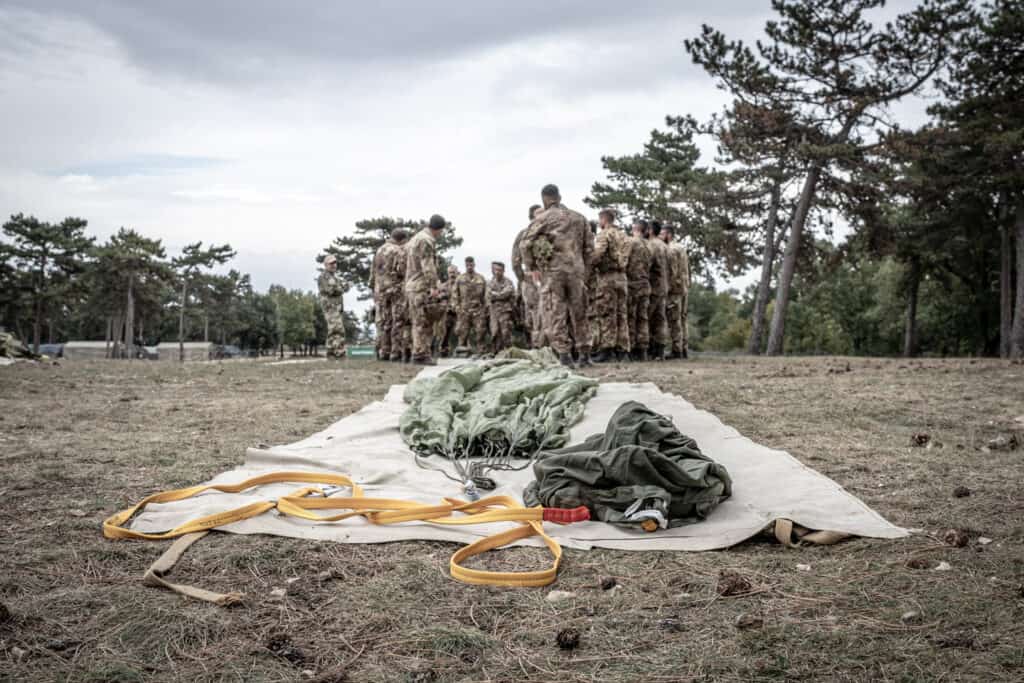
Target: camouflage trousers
[[444, 332], [532, 312], [638, 309], [391, 324], [612, 312], [564, 297], [422, 324], [656, 320], [675, 312], [501, 328], [473, 322], [335, 331]]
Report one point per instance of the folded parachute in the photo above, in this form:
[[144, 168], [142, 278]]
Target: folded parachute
[[641, 471], [510, 407]]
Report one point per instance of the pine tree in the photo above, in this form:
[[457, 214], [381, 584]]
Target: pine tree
[[51, 255], [190, 266], [837, 72]]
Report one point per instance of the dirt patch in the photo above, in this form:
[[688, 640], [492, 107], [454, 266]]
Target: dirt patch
[[92, 437]]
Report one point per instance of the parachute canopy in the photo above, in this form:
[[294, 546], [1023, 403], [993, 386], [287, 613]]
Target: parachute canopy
[[510, 407]]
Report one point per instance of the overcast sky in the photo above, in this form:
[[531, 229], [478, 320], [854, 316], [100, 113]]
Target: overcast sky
[[274, 126]]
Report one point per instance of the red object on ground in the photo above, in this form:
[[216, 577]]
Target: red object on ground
[[566, 516]]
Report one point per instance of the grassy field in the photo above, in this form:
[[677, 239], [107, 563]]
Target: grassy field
[[79, 440]]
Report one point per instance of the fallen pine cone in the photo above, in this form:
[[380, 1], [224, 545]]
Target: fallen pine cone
[[961, 492], [920, 440], [733, 583], [919, 563], [608, 582], [957, 538], [746, 621], [568, 639]]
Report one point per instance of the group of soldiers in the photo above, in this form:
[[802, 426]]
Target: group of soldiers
[[591, 292]]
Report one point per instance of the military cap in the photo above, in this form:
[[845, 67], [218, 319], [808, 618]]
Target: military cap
[[330, 258], [499, 264], [470, 259], [437, 222], [399, 234]]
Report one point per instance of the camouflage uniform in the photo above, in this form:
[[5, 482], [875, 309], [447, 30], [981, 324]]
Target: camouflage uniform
[[678, 293], [593, 309], [659, 292], [638, 276], [332, 289], [610, 258], [471, 293], [501, 298], [529, 292], [386, 277], [420, 289], [559, 245], [444, 328]]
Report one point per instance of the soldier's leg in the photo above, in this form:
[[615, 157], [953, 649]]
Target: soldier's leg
[[384, 325], [481, 324], [556, 315], [683, 309], [622, 318], [672, 321], [462, 329], [642, 330], [576, 296], [421, 326], [399, 326]]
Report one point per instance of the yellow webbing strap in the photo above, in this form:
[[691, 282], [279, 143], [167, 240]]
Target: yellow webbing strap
[[305, 501], [785, 531]]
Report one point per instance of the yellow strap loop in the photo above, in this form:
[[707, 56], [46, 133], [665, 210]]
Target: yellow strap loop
[[303, 503]]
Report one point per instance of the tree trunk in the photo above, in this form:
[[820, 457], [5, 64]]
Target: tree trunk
[[129, 318], [110, 334], [913, 286], [767, 264], [778, 330], [118, 335], [38, 322], [181, 322], [1017, 333], [206, 328]]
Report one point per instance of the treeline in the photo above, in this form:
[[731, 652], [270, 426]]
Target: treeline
[[933, 258], [58, 284]]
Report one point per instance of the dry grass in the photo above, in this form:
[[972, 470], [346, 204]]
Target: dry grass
[[91, 437]]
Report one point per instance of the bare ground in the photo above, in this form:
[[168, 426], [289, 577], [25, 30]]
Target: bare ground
[[81, 440]]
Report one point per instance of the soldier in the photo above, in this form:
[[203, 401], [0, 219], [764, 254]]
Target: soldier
[[529, 292], [593, 305], [501, 298], [387, 274], [659, 292], [471, 293], [678, 293], [610, 258], [444, 328], [638, 277], [556, 251], [421, 287], [332, 289]]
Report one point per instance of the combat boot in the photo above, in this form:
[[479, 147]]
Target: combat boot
[[566, 360], [423, 360], [584, 361], [624, 357], [604, 356], [396, 358], [408, 355], [676, 355], [641, 355], [686, 354]]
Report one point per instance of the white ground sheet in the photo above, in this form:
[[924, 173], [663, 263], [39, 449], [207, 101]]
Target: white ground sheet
[[767, 484]]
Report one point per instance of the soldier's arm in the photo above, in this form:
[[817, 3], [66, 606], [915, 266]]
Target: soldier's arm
[[373, 269], [588, 247], [537, 229], [686, 267]]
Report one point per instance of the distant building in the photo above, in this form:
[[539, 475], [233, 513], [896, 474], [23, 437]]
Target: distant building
[[87, 350], [171, 351]]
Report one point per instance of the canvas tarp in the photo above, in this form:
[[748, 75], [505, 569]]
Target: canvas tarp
[[768, 484]]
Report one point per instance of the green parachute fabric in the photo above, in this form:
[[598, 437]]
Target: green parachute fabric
[[641, 468], [509, 407]]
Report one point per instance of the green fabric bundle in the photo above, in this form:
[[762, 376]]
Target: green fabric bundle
[[641, 468], [509, 407]]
